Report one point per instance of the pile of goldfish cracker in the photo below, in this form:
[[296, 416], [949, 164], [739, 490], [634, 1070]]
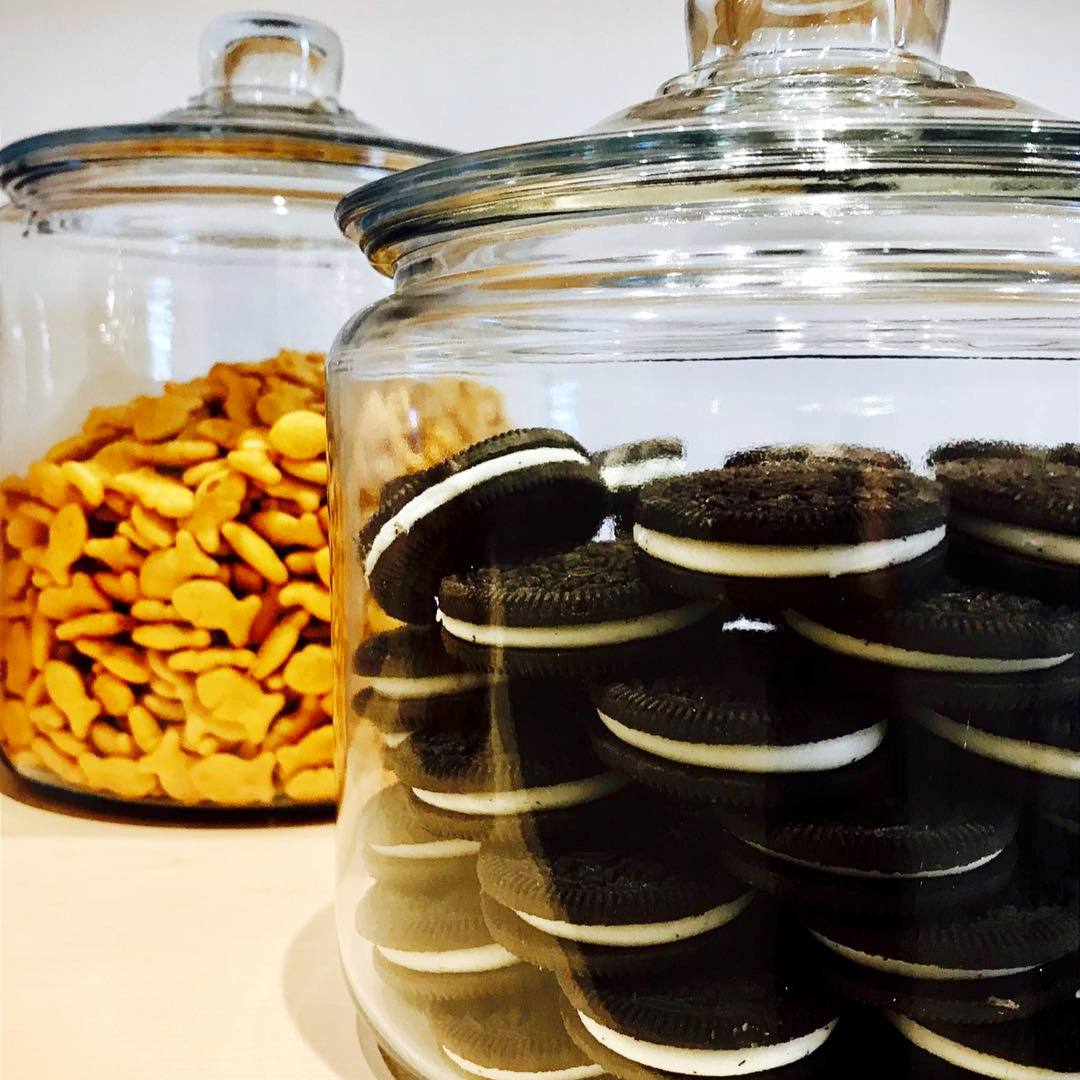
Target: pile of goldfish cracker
[[165, 606]]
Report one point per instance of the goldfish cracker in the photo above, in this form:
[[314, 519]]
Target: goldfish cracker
[[231, 781], [169, 691], [279, 644], [80, 597], [300, 563], [65, 742], [47, 482], [18, 658], [122, 588], [116, 552], [287, 530], [161, 417], [178, 453], [322, 565], [16, 576], [316, 748], [65, 687], [42, 639], [115, 695], [168, 636], [43, 515], [163, 571], [300, 435], [155, 492], [313, 785], [23, 532], [218, 499], [197, 661], [123, 662], [311, 597], [313, 472], [154, 611], [95, 625], [87, 479], [306, 497], [236, 699], [145, 729], [210, 605], [310, 671], [172, 767], [15, 724], [109, 742], [256, 464], [66, 768], [255, 551], [47, 718], [196, 474], [165, 709], [118, 775], [156, 530], [292, 728]]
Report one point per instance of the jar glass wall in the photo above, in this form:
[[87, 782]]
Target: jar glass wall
[[714, 711]]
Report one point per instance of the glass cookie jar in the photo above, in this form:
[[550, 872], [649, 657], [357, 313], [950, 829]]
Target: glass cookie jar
[[169, 291], [729, 725]]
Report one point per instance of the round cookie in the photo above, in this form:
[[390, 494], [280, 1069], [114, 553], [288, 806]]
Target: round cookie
[[523, 491], [957, 645], [627, 468], [899, 849], [434, 945], [743, 727], [773, 534], [773, 1023], [810, 453], [1015, 524], [1065, 454], [404, 844], [638, 890], [516, 1037], [530, 753], [991, 449], [409, 682], [588, 609], [1042, 1047], [1008, 958]]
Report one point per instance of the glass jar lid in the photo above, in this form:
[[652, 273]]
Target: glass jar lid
[[268, 106], [784, 97]]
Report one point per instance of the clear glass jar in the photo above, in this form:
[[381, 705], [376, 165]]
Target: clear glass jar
[[790, 748], [169, 290]]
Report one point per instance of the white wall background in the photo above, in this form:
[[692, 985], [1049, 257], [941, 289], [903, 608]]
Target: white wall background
[[463, 73]]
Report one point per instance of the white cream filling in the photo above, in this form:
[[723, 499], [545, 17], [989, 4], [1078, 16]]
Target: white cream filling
[[802, 757], [638, 473], [583, 636], [1038, 543], [393, 739], [847, 871], [696, 1062], [498, 803], [575, 1072], [433, 849], [846, 645], [457, 961], [445, 491], [783, 560], [914, 970], [973, 1060], [1034, 757], [797, 8], [430, 686], [633, 935]]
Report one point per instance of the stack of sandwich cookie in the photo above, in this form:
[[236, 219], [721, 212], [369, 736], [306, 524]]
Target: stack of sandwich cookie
[[433, 945], [408, 682], [741, 729], [1009, 958], [524, 491], [910, 851], [627, 468], [956, 645], [529, 753], [406, 844], [635, 893], [1014, 522], [1044, 1047], [768, 1022], [585, 610], [515, 1037], [773, 534]]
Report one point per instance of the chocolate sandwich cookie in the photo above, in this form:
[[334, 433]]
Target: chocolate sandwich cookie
[[434, 945], [1008, 958], [405, 844], [746, 727], [627, 468], [585, 610], [811, 453], [409, 682], [1065, 454], [1043, 1047], [524, 491], [1015, 524], [530, 753], [898, 849], [516, 1037], [774, 1023], [637, 889], [985, 449], [772, 534], [957, 645]]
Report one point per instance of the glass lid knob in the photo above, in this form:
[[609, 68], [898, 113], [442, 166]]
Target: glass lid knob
[[260, 58], [717, 29]]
